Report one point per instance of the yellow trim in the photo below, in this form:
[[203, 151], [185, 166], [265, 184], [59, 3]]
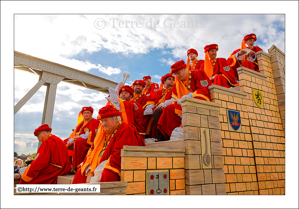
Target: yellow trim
[[89, 138], [178, 112], [123, 111], [148, 103], [234, 59], [108, 166], [200, 95], [237, 84], [25, 177]]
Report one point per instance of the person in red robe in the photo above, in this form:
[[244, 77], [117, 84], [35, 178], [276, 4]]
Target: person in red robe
[[150, 88], [105, 153], [245, 56], [192, 55], [132, 112], [51, 159], [217, 69], [139, 96], [82, 137], [188, 83], [156, 104]]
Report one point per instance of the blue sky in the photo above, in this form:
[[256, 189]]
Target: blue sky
[[76, 41]]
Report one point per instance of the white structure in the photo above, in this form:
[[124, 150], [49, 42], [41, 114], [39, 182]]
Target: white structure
[[50, 74]]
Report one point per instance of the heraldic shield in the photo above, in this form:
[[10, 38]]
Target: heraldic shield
[[234, 119], [157, 182], [258, 97]]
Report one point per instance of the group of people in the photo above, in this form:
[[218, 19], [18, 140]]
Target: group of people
[[133, 113]]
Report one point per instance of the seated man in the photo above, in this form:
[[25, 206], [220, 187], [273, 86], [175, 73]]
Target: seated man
[[192, 55], [132, 112], [51, 159], [150, 88], [82, 137], [139, 96], [187, 84], [217, 69], [105, 152], [245, 56], [155, 105]]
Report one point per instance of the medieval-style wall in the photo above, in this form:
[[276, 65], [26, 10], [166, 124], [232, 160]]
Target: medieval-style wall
[[277, 61]]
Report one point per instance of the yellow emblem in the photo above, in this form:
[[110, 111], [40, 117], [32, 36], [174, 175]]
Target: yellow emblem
[[86, 129], [258, 97]]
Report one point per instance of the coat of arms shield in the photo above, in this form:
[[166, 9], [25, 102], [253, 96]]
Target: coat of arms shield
[[258, 97], [204, 83], [234, 119]]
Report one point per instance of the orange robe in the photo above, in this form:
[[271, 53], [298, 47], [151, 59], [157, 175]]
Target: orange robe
[[124, 135], [234, 64], [224, 75], [81, 146], [52, 150], [169, 119]]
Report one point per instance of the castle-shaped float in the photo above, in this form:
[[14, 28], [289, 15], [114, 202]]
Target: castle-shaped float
[[233, 145]]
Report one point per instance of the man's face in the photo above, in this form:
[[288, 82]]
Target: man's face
[[181, 74], [138, 88], [169, 82], [192, 56], [87, 114], [250, 42], [41, 136], [148, 81], [213, 53], [109, 124], [19, 164], [125, 95]]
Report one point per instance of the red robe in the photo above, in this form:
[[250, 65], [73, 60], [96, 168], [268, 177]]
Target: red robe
[[151, 89], [132, 114], [224, 75], [169, 119], [234, 64], [52, 150], [81, 146], [125, 135], [160, 97], [195, 64], [140, 98]]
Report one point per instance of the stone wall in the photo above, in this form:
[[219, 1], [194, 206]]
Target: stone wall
[[216, 159], [277, 62]]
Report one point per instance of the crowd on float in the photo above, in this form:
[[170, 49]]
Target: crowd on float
[[133, 115]]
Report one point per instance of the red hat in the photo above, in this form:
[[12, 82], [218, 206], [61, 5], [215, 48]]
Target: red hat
[[87, 108], [178, 66], [140, 82], [166, 76], [211, 46], [43, 127], [127, 89], [146, 77], [108, 111], [249, 36], [192, 51]]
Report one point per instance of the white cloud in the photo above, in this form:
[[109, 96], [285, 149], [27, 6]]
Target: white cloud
[[168, 61], [157, 77]]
